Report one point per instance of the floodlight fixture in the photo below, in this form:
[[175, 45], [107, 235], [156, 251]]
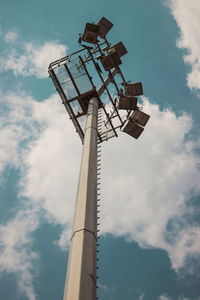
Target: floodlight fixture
[[133, 129], [105, 26], [76, 78], [140, 117], [91, 33], [133, 89], [119, 48], [128, 103], [111, 61]]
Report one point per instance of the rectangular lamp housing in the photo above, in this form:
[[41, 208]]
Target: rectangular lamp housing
[[91, 33], [128, 103], [105, 26], [134, 89], [133, 129], [111, 61], [119, 48], [140, 117]]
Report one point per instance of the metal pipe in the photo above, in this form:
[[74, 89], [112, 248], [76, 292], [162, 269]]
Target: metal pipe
[[81, 273], [107, 81]]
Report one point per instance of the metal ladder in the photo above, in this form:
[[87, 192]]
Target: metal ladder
[[100, 111]]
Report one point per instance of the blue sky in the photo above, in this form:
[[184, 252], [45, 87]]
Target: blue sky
[[150, 231]]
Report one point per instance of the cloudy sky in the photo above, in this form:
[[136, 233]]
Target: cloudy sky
[[150, 216]]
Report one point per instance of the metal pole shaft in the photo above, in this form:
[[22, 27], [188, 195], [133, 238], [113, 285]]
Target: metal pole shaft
[[81, 273]]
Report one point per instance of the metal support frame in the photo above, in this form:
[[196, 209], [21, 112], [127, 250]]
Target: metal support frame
[[102, 80], [97, 93], [81, 273], [64, 100]]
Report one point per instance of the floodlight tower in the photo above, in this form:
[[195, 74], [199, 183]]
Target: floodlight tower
[[75, 77]]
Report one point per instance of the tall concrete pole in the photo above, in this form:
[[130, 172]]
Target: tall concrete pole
[[81, 273]]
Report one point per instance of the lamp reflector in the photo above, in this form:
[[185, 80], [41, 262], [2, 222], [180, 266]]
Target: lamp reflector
[[133, 129], [119, 48], [128, 103], [110, 61], [90, 33], [140, 117], [105, 26], [134, 89]]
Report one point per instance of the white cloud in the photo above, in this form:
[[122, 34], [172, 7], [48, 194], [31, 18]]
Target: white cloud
[[187, 16], [187, 245], [11, 36], [37, 138], [146, 183], [32, 59], [16, 127], [164, 297], [16, 254], [53, 162]]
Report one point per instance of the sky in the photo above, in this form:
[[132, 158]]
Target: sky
[[150, 187]]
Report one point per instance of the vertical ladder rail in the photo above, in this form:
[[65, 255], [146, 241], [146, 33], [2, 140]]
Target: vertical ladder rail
[[98, 188]]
